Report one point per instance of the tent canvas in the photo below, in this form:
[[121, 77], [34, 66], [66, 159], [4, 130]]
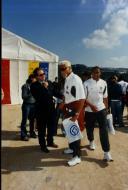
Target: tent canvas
[[16, 47], [22, 56]]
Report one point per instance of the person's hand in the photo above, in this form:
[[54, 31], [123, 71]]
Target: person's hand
[[94, 108], [45, 84], [61, 106], [108, 111], [74, 118]]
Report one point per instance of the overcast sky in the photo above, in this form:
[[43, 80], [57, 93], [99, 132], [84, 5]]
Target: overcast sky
[[89, 32]]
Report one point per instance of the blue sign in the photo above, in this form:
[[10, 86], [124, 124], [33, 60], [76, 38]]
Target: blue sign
[[45, 67]]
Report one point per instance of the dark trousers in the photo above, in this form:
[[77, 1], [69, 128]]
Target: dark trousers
[[75, 146], [45, 122], [100, 117], [28, 112], [116, 109]]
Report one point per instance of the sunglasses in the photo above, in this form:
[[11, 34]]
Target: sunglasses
[[41, 75], [63, 69]]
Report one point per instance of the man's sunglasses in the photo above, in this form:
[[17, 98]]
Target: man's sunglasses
[[63, 69], [41, 75]]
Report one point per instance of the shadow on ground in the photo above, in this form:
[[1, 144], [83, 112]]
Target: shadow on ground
[[10, 135], [123, 129], [30, 158]]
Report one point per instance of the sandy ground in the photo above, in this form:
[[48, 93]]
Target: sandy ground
[[25, 167]]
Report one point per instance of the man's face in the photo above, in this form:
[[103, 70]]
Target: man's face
[[40, 75], [96, 74], [65, 71]]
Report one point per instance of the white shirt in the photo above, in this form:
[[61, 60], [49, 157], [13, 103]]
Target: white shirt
[[73, 88], [95, 91], [123, 86]]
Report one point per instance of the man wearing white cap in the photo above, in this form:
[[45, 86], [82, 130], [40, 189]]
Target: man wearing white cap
[[74, 100]]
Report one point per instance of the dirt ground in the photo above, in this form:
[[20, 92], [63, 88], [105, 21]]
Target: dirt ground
[[25, 167]]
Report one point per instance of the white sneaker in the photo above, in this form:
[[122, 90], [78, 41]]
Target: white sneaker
[[107, 157], [68, 151], [92, 145], [75, 160]]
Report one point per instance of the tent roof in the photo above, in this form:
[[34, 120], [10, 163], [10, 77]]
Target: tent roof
[[16, 47]]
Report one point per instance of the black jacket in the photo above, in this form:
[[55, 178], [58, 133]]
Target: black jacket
[[44, 96], [115, 91]]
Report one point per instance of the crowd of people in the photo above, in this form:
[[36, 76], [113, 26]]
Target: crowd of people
[[87, 100]]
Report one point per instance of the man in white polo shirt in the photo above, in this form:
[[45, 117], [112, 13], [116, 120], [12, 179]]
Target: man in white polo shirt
[[96, 93], [74, 101]]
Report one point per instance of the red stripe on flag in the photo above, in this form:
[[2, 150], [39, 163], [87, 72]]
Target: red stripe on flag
[[5, 81]]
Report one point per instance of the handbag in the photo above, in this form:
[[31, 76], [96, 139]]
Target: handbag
[[111, 129], [72, 130]]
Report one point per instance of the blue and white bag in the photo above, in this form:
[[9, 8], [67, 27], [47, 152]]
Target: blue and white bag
[[72, 130]]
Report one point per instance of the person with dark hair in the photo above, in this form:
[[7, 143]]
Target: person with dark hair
[[96, 94], [28, 109], [115, 96], [43, 92]]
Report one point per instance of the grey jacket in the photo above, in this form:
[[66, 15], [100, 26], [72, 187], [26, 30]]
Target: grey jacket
[[26, 94]]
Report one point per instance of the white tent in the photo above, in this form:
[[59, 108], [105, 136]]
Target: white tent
[[20, 53], [16, 47]]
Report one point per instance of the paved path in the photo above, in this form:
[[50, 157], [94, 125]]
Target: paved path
[[25, 167]]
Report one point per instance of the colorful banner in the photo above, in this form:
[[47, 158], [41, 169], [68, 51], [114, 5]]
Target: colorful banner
[[45, 67], [5, 81], [32, 65]]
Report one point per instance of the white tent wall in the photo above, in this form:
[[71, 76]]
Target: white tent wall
[[14, 82], [16, 47], [23, 76], [9, 45], [53, 71], [34, 52]]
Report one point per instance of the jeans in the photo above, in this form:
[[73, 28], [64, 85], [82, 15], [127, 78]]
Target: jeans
[[116, 110], [100, 117], [28, 112]]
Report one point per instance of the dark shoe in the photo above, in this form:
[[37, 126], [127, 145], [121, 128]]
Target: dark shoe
[[44, 149], [121, 125], [25, 138], [52, 145], [33, 135]]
